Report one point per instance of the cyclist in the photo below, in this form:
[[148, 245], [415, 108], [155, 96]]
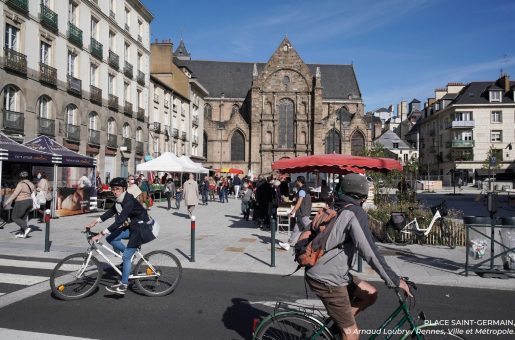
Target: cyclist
[[343, 294], [131, 222]]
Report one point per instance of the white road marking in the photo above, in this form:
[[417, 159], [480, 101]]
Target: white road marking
[[23, 335], [18, 279], [35, 264]]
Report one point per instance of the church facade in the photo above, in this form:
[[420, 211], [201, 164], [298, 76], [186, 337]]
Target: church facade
[[257, 113]]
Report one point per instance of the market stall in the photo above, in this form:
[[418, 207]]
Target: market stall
[[72, 175]]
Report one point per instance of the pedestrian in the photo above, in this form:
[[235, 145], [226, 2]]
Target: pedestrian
[[23, 204], [285, 189], [190, 191], [204, 189], [164, 178], [301, 212], [145, 190], [264, 198], [178, 196], [44, 187], [246, 198], [212, 188], [236, 181], [324, 191], [133, 189], [169, 192]]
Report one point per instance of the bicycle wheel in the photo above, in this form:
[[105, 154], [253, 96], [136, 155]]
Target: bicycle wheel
[[165, 272], [446, 234], [291, 326], [73, 278], [398, 237]]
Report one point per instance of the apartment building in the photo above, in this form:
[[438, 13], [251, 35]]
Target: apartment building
[[463, 122], [77, 71]]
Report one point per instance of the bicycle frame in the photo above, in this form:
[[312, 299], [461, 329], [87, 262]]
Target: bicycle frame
[[413, 225]]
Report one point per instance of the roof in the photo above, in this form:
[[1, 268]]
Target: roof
[[388, 138], [477, 93], [381, 110], [181, 51], [415, 100], [234, 79], [449, 96]]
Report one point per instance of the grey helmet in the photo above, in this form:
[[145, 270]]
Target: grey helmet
[[24, 175], [355, 185]]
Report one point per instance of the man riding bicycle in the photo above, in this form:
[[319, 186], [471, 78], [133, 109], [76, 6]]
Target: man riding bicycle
[[343, 294], [131, 222]]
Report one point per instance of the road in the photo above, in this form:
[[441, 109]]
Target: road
[[207, 305]]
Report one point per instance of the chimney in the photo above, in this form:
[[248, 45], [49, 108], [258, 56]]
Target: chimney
[[505, 82]]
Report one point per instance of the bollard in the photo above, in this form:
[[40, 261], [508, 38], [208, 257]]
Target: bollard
[[47, 230], [272, 232], [192, 256]]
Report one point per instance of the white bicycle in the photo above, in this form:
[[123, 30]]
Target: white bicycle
[[76, 276], [399, 232]]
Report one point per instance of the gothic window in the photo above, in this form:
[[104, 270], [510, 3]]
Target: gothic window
[[237, 147], [286, 128], [357, 143], [204, 151], [208, 111], [333, 142]]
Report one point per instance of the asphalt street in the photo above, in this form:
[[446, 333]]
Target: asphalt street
[[214, 305]]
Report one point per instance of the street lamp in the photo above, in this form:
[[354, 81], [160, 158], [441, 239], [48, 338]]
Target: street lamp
[[222, 96]]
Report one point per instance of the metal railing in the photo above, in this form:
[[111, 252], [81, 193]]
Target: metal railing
[[175, 133], [73, 133], [112, 141], [139, 147], [468, 124], [127, 142], [48, 18], [141, 114], [47, 74], [127, 109], [112, 14], [74, 85], [112, 102], [127, 28], [156, 127], [95, 95], [166, 103], [94, 137], [140, 38], [195, 120], [13, 120], [183, 135], [140, 78], [127, 70], [46, 126], [156, 98], [15, 61], [96, 48], [461, 143], [74, 34], [113, 60], [19, 5]]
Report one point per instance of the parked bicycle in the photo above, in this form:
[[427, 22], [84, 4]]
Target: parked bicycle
[[295, 321], [399, 232], [76, 276]]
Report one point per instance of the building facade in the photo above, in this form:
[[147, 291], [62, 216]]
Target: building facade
[[257, 113], [462, 123], [77, 71]]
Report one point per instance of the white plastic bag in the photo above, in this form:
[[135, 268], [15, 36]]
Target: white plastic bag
[[155, 228]]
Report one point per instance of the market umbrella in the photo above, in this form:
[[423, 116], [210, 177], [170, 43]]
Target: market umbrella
[[235, 171], [335, 163]]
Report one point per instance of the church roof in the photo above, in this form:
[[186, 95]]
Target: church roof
[[181, 51], [234, 79]]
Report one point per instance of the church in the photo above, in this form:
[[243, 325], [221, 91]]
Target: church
[[257, 113]]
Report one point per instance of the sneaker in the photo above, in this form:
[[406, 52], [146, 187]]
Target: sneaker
[[284, 245], [27, 231], [118, 288], [19, 235]]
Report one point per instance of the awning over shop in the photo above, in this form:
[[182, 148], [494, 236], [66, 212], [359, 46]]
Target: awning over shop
[[61, 155], [11, 150], [166, 162]]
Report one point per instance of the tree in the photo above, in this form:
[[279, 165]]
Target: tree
[[492, 162]]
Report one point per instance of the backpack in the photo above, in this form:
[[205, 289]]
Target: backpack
[[311, 243]]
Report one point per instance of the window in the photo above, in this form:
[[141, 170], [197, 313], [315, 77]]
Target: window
[[139, 102], [93, 120], [94, 28], [357, 143], [235, 110], [156, 145], [127, 18], [395, 145], [126, 130], [11, 37], [285, 109], [126, 91], [332, 142], [496, 117], [208, 111], [71, 115], [140, 29], [72, 65], [93, 74], [139, 134], [405, 158], [44, 55], [110, 83], [72, 13], [495, 96], [140, 57], [10, 102], [237, 147], [126, 52], [112, 7], [112, 41], [111, 127], [43, 108], [496, 136], [463, 116]]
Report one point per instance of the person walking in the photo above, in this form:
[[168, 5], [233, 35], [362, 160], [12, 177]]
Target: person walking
[[145, 189], [246, 198], [169, 191], [212, 188], [133, 189], [204, 190], [43, 186], [190, 191], [22, 204], [236, 181], [301, 212]]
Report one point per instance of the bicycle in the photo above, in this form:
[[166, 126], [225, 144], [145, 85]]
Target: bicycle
[[400, 233], [295, 321], [76, 276]]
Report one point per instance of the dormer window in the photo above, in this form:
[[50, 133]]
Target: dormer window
[[495, 96]]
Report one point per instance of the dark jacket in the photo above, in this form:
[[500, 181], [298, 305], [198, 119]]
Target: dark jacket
[[140, 230]]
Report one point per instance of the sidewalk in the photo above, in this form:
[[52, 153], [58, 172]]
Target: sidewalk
[[225, 242]]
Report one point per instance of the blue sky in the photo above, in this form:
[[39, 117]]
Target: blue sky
[[400, 49]]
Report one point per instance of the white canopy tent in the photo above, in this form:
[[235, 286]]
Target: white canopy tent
[[199, 167], [168, 162]]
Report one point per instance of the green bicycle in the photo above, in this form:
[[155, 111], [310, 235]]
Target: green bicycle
[[293, 321]]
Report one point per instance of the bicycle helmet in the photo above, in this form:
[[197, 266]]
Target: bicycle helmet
[[24, 175], [355, 185], [118, 182]]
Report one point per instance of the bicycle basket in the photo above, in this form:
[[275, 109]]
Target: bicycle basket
[[442, 207], [397, 220]]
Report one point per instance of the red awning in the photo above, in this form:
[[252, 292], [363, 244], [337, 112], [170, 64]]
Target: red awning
[[335, 163]]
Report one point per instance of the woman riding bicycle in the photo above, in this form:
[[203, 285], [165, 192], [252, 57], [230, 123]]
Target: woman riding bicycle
[[131, 222]]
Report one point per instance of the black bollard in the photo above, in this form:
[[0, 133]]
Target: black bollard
[[47, 230], [192, 256], [272, 232]]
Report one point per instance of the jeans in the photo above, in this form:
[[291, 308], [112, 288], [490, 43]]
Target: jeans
[[301, 224], [127, 264], [115, 239], [178, 199], [204, 196]]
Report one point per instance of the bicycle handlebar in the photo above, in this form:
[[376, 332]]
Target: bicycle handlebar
[[412, 287], [89, 234]]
